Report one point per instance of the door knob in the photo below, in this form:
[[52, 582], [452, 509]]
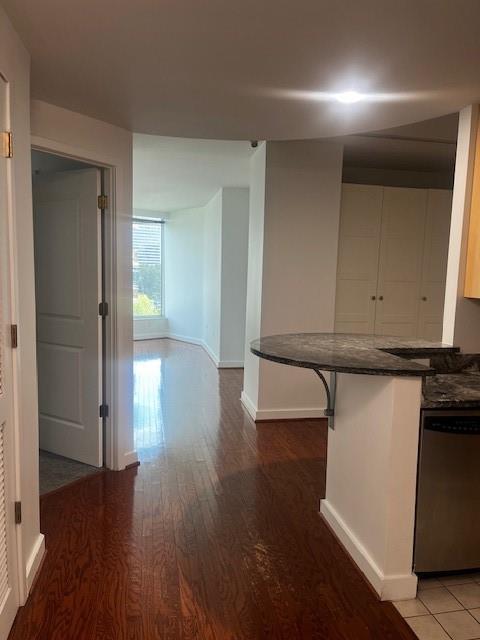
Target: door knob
[[380, 297], [373, 298], [424, 298]]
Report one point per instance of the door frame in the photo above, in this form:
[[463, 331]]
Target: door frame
[[110, 338], [17, 578]]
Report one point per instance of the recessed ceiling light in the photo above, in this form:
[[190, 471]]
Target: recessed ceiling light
[[349, 97]]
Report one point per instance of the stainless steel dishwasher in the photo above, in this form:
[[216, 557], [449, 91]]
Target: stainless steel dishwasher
[[447, 529]]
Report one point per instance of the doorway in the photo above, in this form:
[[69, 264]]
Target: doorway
[[71, 317]]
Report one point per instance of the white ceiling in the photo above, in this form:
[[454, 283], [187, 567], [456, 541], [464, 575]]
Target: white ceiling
[[404, 155], [424, 146], [179, 173], [217, 69]]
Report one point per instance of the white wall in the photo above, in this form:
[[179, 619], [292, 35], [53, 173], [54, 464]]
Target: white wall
[[292, 267], [212, 274], [15, 65], [461, 320], [83, 137], [184, 274], [234, 275], [205, 275], [253, 319], [371, 478]]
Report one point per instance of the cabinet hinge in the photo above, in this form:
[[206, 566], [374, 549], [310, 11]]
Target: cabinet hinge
[[103, 202], [104, 411], [103, 309], [14, 336], [18, 512], [7, 144]]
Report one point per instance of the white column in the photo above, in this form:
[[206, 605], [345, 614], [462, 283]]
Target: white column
[[371, 478], [233, 276], [461, 317], [293, 239], [253, 321]]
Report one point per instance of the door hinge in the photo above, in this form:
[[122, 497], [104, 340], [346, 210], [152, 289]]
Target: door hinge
[[103, 202], [7, 144], [18, 512], [104, 411], [14, 336], [103, 309]]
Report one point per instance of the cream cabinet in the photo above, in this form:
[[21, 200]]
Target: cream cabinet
[[392, 257]]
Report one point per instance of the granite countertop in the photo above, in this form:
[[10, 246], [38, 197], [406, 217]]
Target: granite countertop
[[350, 353], [452, 391]]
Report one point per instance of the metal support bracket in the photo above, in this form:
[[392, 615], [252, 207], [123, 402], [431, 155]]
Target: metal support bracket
[[331, 392]]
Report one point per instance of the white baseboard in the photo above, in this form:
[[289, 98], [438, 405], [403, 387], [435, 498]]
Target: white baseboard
[[129, 458], [248, 404], [230, 364], [34, 560], [211, 354], [150, 336], [388, 587], [196, 341], [220, 364], [181, 338], [290, 414], [279, 414]]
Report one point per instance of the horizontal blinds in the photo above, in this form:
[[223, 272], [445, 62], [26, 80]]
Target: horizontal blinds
[[147, 242]]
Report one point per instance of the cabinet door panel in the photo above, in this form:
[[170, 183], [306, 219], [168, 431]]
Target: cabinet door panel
[[434, 269], [358, 250], [400, 267]]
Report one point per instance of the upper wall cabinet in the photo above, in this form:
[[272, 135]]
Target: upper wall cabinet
[[472, 271], [392, 257]]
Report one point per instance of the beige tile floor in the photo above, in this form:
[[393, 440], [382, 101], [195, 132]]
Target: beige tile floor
[[446, 608]]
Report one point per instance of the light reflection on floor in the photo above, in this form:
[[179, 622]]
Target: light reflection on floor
[[147, 414]]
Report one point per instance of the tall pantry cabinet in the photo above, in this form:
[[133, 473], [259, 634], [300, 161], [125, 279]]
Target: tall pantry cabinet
[[392, 260]]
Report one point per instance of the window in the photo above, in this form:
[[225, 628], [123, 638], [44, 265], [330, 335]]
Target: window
[[147, 267]]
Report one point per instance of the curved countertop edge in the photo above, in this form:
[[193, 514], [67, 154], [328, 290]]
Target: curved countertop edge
[[395, 354], [420, 372]]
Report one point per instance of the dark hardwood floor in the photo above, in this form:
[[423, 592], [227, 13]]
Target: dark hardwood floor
[[215, 535]]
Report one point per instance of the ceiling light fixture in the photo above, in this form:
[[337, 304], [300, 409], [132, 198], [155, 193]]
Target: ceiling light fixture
[[349, 97]]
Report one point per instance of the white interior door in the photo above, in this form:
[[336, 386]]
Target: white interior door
[[67, 268], [358, 252], [434, 269], [8, 563], [400, 267]]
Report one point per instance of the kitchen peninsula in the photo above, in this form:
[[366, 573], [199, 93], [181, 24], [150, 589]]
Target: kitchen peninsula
[[373, 404]]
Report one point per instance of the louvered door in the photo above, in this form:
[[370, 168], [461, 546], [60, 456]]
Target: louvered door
[[8, 566]]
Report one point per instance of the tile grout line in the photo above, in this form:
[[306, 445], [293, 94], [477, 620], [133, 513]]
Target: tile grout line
[[463, 608], [473, 618]]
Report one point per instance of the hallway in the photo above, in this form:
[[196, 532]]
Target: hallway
[[215, 536]]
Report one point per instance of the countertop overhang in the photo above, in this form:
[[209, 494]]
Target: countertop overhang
[[351, 353]]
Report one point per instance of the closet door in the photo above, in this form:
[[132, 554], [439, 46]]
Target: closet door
[[434, 270], [358, 251], [400, 269]]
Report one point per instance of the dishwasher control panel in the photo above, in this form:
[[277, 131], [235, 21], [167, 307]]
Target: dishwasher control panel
[[461, 423]]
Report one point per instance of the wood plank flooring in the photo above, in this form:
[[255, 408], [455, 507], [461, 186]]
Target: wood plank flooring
[[215, 536]]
